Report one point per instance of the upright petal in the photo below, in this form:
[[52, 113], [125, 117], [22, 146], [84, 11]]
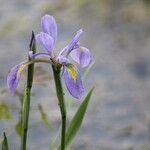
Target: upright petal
[[49, 26], [14, 77], [75, 41], [46, 41], [82, 56], [75, 87], [73, 44]]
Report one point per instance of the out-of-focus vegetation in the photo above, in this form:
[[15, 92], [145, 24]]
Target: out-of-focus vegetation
[[144, 147], [44, 116], [4, 111]]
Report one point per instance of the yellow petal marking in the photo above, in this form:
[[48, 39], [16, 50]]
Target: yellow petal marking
[[21, 68], [72, 71]]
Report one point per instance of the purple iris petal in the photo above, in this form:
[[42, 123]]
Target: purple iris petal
[[63, 60], [73, 44], [82, 56], [13, 79], [49, 26], [46, 41], [75, 87]]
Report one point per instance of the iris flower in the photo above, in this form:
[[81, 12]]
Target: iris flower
[[47, 39]]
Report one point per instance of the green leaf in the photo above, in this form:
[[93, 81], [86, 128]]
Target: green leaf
[[77, 119], [5, 143]]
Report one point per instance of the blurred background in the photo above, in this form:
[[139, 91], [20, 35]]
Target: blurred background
[[118, 34]]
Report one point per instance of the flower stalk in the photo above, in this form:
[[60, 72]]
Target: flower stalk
[[26, 98], [60, 96]]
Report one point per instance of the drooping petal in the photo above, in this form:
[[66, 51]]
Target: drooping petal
[[82, 56], [46, 41], [75, 87], [14, 77], [74, 44], [49, 26]]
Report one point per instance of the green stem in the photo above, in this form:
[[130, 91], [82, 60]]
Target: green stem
[[60, 96], [26, 98], [25, 117], [38, 60]]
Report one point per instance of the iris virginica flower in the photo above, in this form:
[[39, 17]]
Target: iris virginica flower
[[47, 38]]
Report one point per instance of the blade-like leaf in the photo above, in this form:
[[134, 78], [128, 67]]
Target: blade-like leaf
[[5, 143], [76, 122]]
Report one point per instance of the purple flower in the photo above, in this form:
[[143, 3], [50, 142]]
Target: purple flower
[[14, 77], [47, 38]]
